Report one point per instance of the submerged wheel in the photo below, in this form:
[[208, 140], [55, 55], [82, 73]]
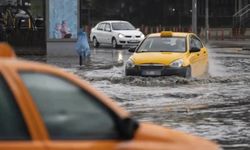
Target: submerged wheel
[[206, 72], [188, 73], [95, 42], [126, 73], [114, 43]]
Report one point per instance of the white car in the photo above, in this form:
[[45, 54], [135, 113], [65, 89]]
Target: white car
[[117, 33]]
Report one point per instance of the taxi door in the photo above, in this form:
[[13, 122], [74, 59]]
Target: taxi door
[[203, 57], [17, 131], [197, 59]]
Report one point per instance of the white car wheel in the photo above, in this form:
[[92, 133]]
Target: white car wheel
[[95, 42], [114, 43]]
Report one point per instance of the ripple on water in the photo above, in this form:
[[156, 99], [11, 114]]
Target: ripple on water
[[116, 76], [216, 107]]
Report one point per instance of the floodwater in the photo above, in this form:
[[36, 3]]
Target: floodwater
[[216, 107]]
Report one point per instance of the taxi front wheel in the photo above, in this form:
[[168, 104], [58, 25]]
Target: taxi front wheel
[[127, 73], [188, 72]]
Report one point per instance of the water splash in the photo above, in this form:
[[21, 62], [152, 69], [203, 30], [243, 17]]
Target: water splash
[[216, 67]]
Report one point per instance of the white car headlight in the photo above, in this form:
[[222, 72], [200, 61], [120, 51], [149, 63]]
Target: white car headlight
[[177, 63], [121, 35], [142, 36], [130, 64]]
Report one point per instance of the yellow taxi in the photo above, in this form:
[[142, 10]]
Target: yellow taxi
[[45, 108], [169, 53]]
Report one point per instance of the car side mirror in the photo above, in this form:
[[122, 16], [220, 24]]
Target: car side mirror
[[128, 127], [132, 49], [138, 29], [194, 49]]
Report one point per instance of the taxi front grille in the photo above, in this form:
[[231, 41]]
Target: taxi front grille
[[151, 67]]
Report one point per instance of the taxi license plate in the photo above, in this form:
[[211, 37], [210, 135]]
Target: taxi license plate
[[151, 73]]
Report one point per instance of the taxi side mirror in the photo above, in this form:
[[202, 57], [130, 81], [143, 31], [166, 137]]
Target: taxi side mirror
[[128, 127], [194, 49], [132, 49]]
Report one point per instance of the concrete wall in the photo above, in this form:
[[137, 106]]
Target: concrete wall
[[226, 33], [61, 48]]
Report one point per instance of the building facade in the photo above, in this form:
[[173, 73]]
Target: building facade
[[161, 12], [22, 23]]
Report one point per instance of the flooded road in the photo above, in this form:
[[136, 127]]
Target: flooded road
[[216, 107]]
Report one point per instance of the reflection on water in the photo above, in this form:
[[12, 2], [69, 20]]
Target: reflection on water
[[120, 57]]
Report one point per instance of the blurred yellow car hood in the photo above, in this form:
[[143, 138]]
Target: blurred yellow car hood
[[156, 57], [6, 51]]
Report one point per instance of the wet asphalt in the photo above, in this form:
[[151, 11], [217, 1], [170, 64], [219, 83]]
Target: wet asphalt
[[216, 107]]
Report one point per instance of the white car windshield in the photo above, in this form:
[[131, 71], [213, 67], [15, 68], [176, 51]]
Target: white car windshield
[[163, 44], [122, 26]]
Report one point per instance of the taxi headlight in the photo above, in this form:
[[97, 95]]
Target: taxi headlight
[[121, 35], [177, 63], [130, 64]]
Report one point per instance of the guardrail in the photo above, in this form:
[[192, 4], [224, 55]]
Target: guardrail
[[242, 16]]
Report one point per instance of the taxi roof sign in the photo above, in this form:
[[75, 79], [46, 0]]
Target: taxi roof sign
[[166, 34], [6, 51]]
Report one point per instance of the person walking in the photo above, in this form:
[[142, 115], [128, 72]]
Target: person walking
[[82, 47]]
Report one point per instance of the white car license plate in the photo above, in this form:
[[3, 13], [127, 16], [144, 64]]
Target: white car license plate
[[151, 73], [133, 41]]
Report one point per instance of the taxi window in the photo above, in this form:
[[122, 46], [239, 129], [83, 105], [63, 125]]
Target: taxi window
[[12, 125], [195, 43], [163, 44], [68, 111]]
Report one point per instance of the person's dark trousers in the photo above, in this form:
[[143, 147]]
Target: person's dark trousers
[[80, 60], [84, 58], [1, 34]]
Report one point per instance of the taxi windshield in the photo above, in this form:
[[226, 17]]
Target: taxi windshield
[[163, 44], [122, 26]]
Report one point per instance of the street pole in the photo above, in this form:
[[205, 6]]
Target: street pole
[[240, 4], [207, 22], [235, 6], [194, 16]]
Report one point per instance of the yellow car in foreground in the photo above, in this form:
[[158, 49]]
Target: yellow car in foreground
[[45, 108], [169, 53]]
